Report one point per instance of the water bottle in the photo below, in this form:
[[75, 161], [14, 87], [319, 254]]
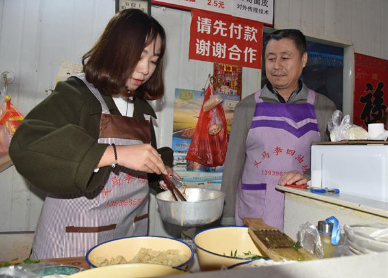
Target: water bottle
[[330, 233]]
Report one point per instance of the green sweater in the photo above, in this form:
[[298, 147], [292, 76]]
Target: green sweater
[[55, 147]]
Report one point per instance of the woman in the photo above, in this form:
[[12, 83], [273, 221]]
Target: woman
[[82, 145]]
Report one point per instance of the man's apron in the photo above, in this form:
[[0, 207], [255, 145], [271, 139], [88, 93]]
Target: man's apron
[[278, 141], [71, 224]]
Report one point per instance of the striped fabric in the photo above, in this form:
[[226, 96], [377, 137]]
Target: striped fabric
[[71, 224]]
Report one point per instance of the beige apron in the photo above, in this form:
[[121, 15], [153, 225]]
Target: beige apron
[[71, 224]]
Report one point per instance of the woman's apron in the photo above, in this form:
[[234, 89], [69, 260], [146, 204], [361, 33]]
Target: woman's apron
[[71, 224], [278, 141]]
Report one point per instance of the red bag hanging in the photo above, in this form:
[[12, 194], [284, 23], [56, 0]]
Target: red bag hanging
[[210, 140]]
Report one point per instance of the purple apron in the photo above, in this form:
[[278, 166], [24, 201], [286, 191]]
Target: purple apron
[[278, 141], [71, 224]]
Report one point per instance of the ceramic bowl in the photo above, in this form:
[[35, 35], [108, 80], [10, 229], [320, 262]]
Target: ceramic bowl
[[129, 247], [223, 246], [130, 271], [367, 238]]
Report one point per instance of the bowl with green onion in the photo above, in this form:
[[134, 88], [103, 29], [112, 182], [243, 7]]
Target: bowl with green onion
[[221, 247]]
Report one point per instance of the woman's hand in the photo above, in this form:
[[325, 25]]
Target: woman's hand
[[141, 157], [293, 177], [171, 173]]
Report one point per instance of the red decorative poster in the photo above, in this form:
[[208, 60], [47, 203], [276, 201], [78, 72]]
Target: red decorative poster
[[225, 39], [371, 91], [227, 79]]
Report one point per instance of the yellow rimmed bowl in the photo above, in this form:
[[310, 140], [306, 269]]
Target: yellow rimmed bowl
[[135, 270], [129, 247], [223, 247]]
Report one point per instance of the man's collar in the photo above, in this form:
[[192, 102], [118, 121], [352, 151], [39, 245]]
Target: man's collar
[[281, 99]]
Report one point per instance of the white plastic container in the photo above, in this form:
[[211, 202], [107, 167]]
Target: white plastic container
[[359, 170]]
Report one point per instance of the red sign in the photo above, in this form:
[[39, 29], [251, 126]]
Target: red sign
[[371, 90], [225, 39]]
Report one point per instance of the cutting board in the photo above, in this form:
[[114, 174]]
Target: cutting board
[[276, 244]]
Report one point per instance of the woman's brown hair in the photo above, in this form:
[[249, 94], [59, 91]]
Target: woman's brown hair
[[113, 59]]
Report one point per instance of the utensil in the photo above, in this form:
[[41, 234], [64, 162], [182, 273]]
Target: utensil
[[318, 190], [203, 206], [178, 183], [277, 245], [171, 186]]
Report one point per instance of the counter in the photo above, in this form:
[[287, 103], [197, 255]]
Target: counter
[[302, 206], [371, 265]]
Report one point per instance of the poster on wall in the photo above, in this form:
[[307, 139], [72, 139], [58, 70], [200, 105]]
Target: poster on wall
[[371, 91], [228, 81], [187, 107], [225, 39], [255, 10]]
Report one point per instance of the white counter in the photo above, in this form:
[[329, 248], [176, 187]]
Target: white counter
[[302, 206], [371, 266]]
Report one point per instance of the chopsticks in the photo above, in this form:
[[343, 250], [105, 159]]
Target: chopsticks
[[171, 186]]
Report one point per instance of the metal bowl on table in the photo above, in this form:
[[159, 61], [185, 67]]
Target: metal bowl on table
[[203, 206]]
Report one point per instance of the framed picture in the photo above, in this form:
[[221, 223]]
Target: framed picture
[[144, 5]]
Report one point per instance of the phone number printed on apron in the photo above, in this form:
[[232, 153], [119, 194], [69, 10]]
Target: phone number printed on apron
[[126, 202]]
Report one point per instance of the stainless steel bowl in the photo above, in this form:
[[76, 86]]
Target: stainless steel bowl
[[203, 206]]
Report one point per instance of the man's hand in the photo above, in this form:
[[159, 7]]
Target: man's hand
[[293, 177]]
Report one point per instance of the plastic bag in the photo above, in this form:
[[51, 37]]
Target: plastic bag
[[309, 238], [210, 140], [216, 124], [10, 118], [212, 102], [341, 129]]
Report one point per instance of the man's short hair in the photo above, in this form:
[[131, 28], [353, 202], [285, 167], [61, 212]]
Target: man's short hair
[[294, 34]]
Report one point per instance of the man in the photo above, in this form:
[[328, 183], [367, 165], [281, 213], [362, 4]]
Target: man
[[272, 133]]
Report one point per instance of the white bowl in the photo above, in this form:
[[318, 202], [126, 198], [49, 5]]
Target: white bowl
[[367, 237], [130, 271], [358, 249], [129, 247], [215, 245]]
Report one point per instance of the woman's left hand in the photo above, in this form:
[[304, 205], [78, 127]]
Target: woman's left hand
[[171, 173]]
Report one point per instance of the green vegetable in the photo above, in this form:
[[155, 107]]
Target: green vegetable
[[5, 265], [246, 255], [297, 245], [26, 261]]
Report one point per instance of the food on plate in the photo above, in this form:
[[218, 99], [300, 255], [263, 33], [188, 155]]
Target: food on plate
[[171, 257]]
